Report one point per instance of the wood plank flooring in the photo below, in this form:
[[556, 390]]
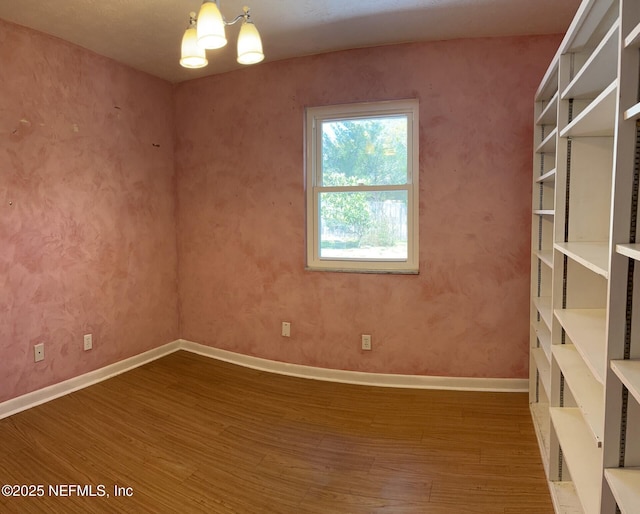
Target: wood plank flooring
[[191, 434]]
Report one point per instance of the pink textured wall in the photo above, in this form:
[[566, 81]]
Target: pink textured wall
[[87, 211], [88, 214], [241, 211]]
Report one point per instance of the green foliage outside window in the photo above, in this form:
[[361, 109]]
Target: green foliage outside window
[[371, 151], [368, 151]]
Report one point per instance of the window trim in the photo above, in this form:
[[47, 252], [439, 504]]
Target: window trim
[[313, 166]]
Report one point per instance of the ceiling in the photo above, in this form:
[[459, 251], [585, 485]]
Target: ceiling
[[146, 34]]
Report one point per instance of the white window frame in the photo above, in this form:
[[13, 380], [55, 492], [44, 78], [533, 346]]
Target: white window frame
[[313, 169]]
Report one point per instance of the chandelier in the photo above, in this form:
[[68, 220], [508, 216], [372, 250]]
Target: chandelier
[[207, 32]]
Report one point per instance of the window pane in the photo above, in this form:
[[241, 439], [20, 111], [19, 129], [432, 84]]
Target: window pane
[[369, 151], [363, 225]]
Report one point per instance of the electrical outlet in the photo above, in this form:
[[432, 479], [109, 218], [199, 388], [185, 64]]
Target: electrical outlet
[[88, 342], [366, 342], [286, 329], [38, 352]]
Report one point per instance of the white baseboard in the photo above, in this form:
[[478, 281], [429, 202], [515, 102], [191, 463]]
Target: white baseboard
[[505, 385], [52, 392], [26, 401]]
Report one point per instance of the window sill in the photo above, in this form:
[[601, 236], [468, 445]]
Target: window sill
[[366, 271]]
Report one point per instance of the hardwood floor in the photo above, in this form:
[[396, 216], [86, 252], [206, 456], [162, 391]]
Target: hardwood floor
[[191, 434]]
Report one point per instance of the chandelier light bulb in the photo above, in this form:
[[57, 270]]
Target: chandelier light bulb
[[193, 56], [211, 34], [249, 44]]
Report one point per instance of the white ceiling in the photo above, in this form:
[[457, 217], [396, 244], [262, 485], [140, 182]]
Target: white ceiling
[[146, 34]]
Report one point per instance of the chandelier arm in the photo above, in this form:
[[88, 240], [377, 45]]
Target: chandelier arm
[[236, 19], [246, 15]]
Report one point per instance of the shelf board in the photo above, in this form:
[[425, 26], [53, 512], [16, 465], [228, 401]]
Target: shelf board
[[543, 304], [628, 371], [587, 391], [548, 144], [585, 23], [633, 112], [543, 334], [582, 456], [549, 115], [632, 251], [549, 176], [544, 212], [633, 39], [598, 118], [592, 255], [549, 85], [587, 330], [625, 486], [544, 369], [565, 498], [546, 256], [541, 423], [598, 71]]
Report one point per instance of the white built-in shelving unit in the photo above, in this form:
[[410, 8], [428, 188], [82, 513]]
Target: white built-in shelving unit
[[585, 275]]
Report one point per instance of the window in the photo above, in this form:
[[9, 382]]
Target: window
[[362, 187]]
